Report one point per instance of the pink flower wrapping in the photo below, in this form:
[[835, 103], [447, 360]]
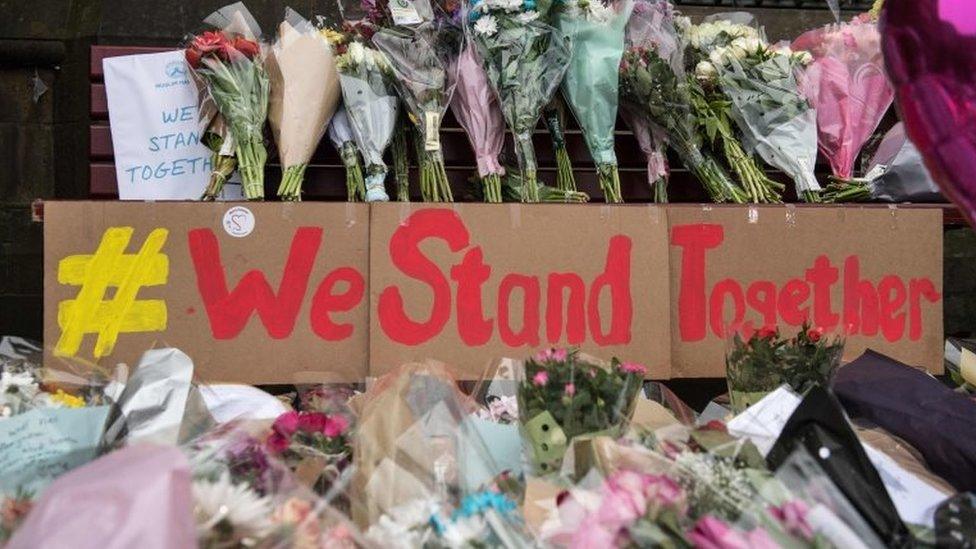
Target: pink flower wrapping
[[476, 109], [847, 85]]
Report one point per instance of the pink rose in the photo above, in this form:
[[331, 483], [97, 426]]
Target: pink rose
[[665, 492], [311, 422], [793, 516], [286, 424], [759, 539], [540, 379], [335, 426], [712, 533], [570, 389], [591, 533]]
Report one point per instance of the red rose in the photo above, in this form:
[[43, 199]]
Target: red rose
[[247, 48], [767, 332], [715, 425], [312, 422], [209, 42], [815, 334], [193, 57], [335, 426], [286, 424], [277, 443]]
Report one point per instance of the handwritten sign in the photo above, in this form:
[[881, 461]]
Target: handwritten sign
[[156, 129], [278, 293], [42, 444]]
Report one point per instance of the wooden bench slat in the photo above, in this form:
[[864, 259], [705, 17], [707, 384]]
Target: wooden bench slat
[[100, 53]]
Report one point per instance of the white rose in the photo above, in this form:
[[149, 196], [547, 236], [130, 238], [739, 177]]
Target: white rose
[[718, 57], [705, 71]]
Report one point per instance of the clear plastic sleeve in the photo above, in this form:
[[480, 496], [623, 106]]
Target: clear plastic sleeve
[[229, 60], [653, 142], [341, 135]]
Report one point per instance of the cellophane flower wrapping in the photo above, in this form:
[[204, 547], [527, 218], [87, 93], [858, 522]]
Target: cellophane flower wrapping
[[525, 60], [775, 118], [653, 83], [563, 395], [420, 56], [847, 85], [424, 473], [230, 61], [219, 140], [343, 140], [476, 108], [372, 105], [653, 142], [304, 96], [244, 495], [591, 82]]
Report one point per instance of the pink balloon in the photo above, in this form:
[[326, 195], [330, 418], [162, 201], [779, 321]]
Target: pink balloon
[[930, 54]]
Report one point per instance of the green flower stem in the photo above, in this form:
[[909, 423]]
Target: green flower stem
[[401, 162], [439, 188], [223, 168], [553, 116], [610, 183], [290, 189], [812, 197], [757, 184], [251, 157], [847, 191], [493, 188], [707, 170], [661, 190], [565, 180], [530, 187], [355, 185]]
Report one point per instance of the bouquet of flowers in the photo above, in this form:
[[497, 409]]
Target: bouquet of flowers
[[371, 105], [653, 142], [475, 106], [513, 189], [230, 62], [653, 83], [314, 445], [846, 84], [525, 60], [563, 395], [304, 96], [591, 83], [758, 364], [775, 118], [713, 109], [419, 54], [342, 138]]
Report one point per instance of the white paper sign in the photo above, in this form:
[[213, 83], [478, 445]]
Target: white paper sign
[[156, 131]]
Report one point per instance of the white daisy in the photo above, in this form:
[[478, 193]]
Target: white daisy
[[486, 26], [237, 504]]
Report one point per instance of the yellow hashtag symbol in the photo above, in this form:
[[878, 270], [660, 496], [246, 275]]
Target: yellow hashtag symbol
[[90, 313]]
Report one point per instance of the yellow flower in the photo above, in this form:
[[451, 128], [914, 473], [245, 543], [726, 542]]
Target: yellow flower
[[68, 400], [333, 36]]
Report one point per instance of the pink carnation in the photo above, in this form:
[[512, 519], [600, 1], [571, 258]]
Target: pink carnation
[[570, 389], [335, 426], [552, 355], [311, 422], [540, 378], [633, 368], [286, 424]]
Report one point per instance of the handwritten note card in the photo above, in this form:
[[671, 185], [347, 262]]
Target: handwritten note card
[[42, 444], [156, 130]]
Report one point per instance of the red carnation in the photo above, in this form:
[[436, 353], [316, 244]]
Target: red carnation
[[335, 426], [286, 424], [277, 443], [193, 57], [715, 425], [767, 332], [815, 334], [248, 48], [312, 422]]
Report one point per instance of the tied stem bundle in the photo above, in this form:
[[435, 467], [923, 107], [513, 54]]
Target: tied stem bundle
[[217, 138], [555, 118]]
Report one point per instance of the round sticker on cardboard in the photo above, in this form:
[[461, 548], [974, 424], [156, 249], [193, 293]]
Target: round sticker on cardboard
[[239, 221]]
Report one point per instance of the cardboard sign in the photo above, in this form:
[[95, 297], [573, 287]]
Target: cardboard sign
[[253, 292], [470, 283], [874, 274], [156, 129], [279, 293]]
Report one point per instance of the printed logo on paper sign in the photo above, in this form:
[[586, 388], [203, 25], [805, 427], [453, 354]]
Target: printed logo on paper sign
[[176, 74], [239, 222], [110, 267]]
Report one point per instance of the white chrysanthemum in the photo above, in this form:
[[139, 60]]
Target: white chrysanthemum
[[19, 381], [705, 71], [463, 532], [528, 17], [510, 6], [357, 53], [222, 500], [683, 23], [486, 26]]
